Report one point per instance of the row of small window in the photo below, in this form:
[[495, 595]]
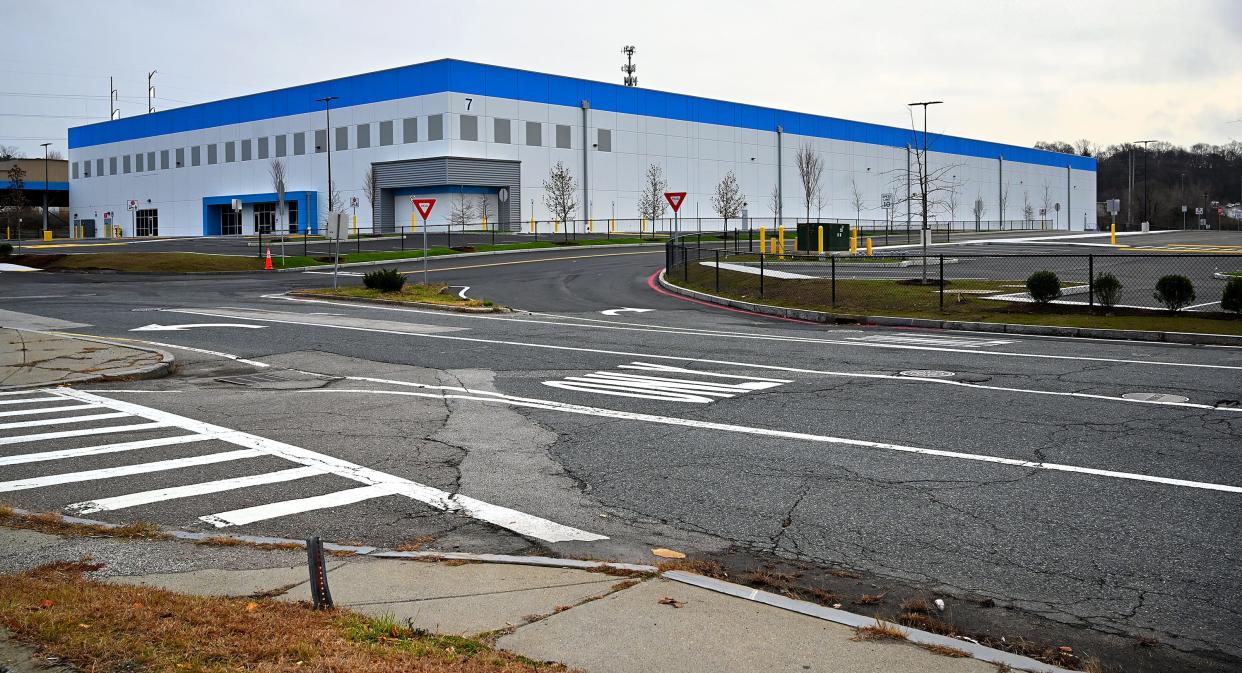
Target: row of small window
[[262, 148]]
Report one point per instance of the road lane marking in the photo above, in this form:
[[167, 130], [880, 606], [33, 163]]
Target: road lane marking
[[441, 393], [518, 522], [192, 490], [48, 410], [241, 517], [60, 454], [930, 340], [701, 333], [22, 439], [127, 470], [663, 388], [60, 421], [522, 261]]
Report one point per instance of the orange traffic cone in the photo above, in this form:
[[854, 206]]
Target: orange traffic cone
[[267, 265]]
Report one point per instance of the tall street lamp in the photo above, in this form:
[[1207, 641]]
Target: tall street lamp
[[923, 179], [45, 186], [327, 139], [1144, 143]]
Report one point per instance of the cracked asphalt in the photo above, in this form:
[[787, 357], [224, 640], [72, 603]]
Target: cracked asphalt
[[930, 485]]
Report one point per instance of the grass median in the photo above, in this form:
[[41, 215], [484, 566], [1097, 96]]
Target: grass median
[[962, 302], [105, 627], [412, 293]]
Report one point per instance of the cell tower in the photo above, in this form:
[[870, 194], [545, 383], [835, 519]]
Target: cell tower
[[629, 68]]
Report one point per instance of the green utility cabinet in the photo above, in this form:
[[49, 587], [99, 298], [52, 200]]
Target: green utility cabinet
[[836, 236]]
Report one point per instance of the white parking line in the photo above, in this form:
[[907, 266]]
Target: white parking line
[[127, 470], [192, 490]]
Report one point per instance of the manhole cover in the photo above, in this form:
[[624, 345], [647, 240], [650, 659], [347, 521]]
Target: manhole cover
[[276, 380], [1156, 397], [927, 373]]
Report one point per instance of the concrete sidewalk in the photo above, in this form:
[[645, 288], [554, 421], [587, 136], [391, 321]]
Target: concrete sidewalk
[[590, 620], [33, 359]]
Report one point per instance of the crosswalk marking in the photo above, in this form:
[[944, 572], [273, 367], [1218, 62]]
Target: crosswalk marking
[[22, 439], [374, 483], [126, 470], [48, 410], [31, 400], [240, 517], [664, 388], [217, 486], [61, 454]]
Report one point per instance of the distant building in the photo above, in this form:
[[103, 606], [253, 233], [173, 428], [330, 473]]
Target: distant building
[[452, 130], [57, 184]]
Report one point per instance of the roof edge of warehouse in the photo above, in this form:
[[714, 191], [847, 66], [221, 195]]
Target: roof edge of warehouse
[[439, 76]]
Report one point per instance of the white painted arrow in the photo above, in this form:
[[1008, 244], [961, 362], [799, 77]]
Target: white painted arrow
[[615, 311], [156, 327]]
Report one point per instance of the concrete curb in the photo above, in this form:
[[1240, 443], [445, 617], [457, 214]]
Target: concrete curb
[[395, 302], [158, 370], [1187, 338], [853, 620], [456, 255]]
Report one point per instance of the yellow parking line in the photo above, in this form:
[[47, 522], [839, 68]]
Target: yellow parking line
[[523, 261], [72, 245]]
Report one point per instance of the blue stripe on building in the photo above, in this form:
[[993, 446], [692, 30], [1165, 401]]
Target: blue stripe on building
[[449, 75]]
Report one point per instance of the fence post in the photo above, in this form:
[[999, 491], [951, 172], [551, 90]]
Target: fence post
[[686, 270], [321, 597], [1091, 281], [761, 274], [717, 270], [942, 283], [834, 280]]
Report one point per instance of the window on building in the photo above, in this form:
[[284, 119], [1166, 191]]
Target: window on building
[[196, 154], [245, 149], [562, 136], [75, 171], [534, 134], [364, 136], [180, 157], [138, 162], [291, 215], [151, 160], [264, 218], [147, 222], [435, 127], [282, 147], [469, 127], [99, 166], [263, 147], [126, 166], [111, 165], [230, 152], [409, 130], [603, 140], [212, 155], [299, 144], [386, 133], [163, 160], [86, 165], [342, 138], [502, 131], [321, 140]]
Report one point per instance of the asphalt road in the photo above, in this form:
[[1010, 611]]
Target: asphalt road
[[983, 466]]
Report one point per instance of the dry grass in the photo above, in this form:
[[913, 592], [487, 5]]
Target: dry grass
[[870, 599], [415, 544], [104, 627], [849, 574], [927, 622], [1147, 641], [764, 578], [53, 523], [946, 651], [825, 597], [620, 572], [696, 566], [918, 605], [226, 541], [882, 630]]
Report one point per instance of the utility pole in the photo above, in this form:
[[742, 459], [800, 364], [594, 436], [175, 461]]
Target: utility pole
[[151, 91], [1130, 189], [629, 68], [923, 180], [113, 112], [780, 187], [1144, 143], [45, 186], [327, 113]]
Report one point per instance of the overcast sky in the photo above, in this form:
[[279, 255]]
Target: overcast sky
[[1008, 70]]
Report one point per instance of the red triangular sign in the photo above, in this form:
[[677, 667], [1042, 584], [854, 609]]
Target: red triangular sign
[[675, 199], [423, 206]]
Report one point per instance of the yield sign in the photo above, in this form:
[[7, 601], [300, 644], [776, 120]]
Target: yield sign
[[423, 206], [675, 199]]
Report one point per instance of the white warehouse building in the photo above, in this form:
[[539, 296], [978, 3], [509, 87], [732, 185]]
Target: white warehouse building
[[448, 128]]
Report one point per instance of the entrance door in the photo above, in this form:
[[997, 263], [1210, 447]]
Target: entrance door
[[230, 222]]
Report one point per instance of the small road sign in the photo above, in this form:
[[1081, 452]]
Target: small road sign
[[1198, 211], [353, 202], [503, 195], [133, 204], [675, 199], [886, 200], [424, 206]]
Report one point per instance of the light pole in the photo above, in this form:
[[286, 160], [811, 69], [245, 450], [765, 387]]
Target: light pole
[[923, 179], [45, 187], [327, 136], [1144, 143]]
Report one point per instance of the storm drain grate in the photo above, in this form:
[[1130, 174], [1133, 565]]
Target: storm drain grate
[[1155, 397], [256, 379]]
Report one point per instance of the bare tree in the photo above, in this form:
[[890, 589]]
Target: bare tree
[[774, 201], [15, 197], [1046, 199], [10, 152], [811, 173], [462, 212], [1086, 148], [936, 185], [728, 199], [483, 210], [368, 184], [952, 204], [55, 155], [1004, 204], [277, 172], [819, 205], [979, 210], [856, 199], [1028, 211], [334, 198], [651, 203], [560, 193]]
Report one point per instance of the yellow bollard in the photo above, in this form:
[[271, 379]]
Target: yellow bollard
[[590, 226], [484, 221], [1113, 233], [532, 223], [642, 227], [413, 222], [853, 241], [820, 233], [868, 246], [355, 225], [556, 226], [612, 226], [763, 240], [780, 237], [47, 235]]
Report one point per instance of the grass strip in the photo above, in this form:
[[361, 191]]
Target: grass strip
[[411, 292]]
